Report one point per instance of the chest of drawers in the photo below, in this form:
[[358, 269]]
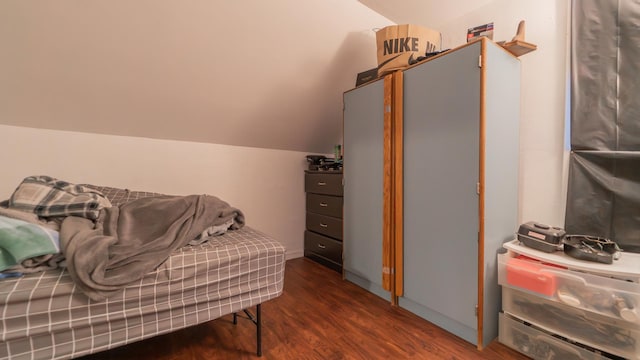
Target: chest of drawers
[[323, 234]]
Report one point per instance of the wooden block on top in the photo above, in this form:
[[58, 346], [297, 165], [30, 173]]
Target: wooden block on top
[[518, 48]]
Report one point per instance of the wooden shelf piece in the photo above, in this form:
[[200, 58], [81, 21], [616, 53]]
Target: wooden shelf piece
[[519, 48]]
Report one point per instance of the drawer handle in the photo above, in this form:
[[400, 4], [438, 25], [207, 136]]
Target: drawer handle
[[323, 205], [323, 225], [321, 183], [321, 246]]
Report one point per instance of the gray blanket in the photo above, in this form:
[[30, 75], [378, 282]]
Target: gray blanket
[[134, 238]]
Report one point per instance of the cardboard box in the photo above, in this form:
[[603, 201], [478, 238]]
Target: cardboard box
[[399, 45]]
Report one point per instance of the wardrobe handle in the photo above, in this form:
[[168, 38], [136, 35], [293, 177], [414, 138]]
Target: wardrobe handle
[[323, 225], [323, 205], [321, 246], [321, 183]]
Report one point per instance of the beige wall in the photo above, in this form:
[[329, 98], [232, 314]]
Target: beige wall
[[267, 185]]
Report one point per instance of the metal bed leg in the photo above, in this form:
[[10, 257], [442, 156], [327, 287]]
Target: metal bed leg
[[259, 330], [257, 320]]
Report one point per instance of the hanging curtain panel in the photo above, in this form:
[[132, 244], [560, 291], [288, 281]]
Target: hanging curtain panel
[[603, 196], [594, 74]]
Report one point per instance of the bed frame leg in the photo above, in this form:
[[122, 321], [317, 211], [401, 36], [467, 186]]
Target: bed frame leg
[[259, 330], [257, 320]]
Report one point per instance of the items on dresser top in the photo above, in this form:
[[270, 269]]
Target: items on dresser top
[[323, 163], [584, 247], [540, 236], [591, 248]]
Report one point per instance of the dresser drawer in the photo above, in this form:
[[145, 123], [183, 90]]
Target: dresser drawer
[[325, 225], [617, 337], [323, 183], [323, 246], [325, 205]]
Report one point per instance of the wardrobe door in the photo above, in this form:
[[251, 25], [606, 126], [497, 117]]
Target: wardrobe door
[[441, 172], [363, 183]]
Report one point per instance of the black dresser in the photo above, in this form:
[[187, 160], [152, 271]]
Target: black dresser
[[323, 235]]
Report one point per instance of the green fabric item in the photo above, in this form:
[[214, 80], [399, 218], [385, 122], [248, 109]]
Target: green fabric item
[[20, 240]]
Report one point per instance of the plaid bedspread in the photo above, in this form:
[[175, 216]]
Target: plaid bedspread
[[45, 316], [48, 197]]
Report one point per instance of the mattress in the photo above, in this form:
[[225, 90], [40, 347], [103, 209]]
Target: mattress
[[44, 316]]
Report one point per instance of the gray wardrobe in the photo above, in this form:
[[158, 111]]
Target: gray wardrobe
[[431, 185]]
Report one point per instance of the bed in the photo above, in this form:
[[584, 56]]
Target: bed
[[45, 315]]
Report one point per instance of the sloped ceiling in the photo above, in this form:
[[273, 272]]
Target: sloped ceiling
[[267, 74], [428, 13]]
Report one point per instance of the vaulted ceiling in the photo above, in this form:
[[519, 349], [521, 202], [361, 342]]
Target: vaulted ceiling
[[428, 13], [267, 74], [247, 73]]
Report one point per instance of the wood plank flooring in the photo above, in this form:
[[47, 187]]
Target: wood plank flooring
[[318, 316]]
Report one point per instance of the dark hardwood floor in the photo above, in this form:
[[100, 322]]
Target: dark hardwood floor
[[318, 316]]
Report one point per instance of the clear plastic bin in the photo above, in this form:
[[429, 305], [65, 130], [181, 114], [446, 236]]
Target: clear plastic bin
[[540, 345], [617, 337], [617, 299]]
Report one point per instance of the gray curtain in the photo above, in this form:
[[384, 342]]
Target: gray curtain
[[604, 172]]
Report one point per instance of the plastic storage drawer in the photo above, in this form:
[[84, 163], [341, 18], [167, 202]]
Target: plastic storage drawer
[[617, 337], [610, 297], [538, 344]]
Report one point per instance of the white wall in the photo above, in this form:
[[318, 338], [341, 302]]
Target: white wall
[[544, 74], [267, 185]]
